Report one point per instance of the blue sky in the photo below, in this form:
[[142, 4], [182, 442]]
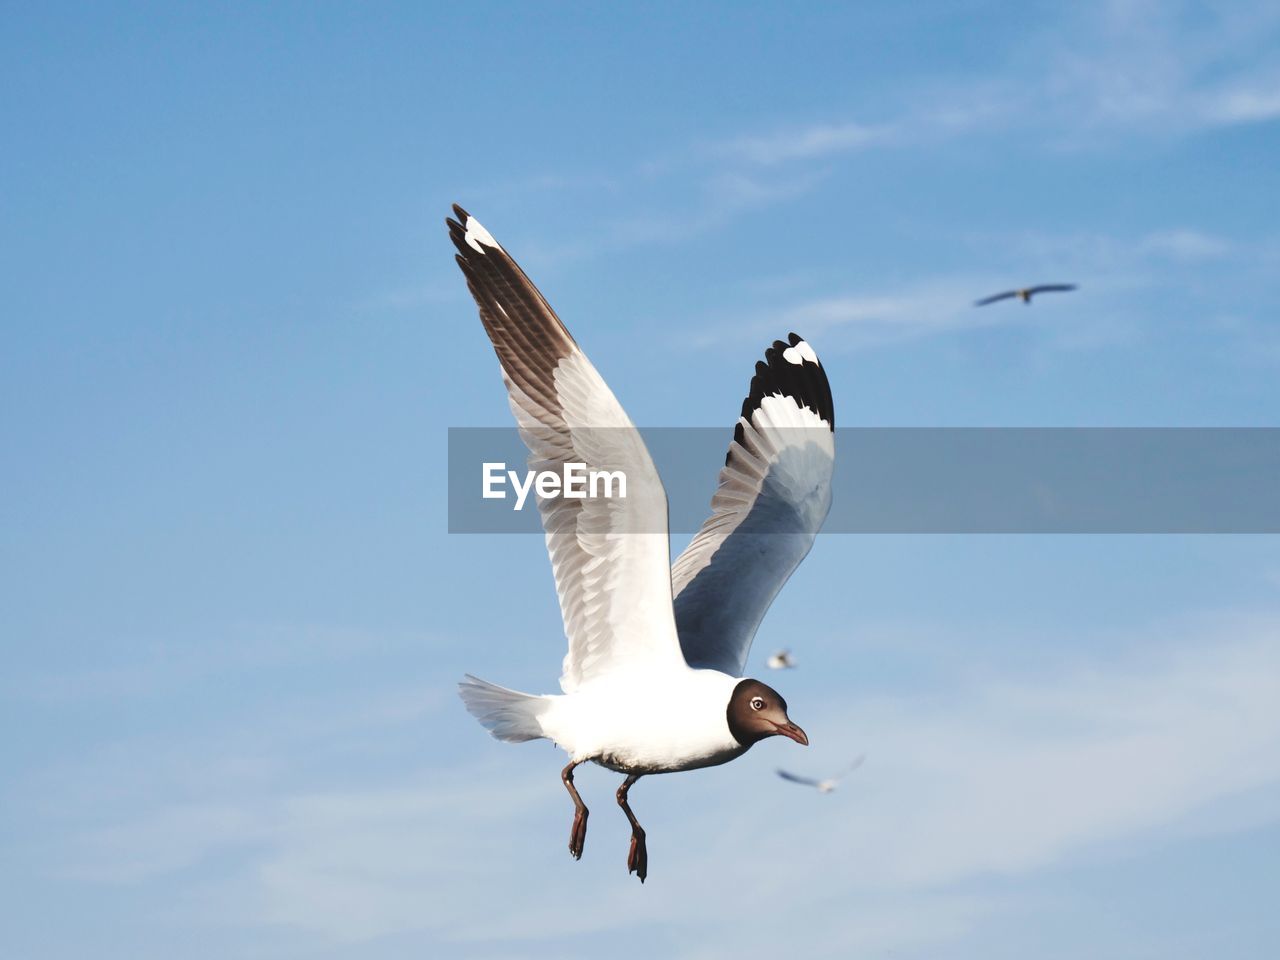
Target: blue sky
[[234, 338]]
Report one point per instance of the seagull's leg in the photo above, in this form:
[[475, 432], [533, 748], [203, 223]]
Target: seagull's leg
[[638, 856], [578, 832]]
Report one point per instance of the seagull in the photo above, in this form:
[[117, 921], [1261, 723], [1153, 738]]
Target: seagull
[[653, 678], [1026, 293], [824, 786], [782, 660]]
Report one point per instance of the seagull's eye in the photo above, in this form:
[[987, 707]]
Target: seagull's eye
[[757, 703]]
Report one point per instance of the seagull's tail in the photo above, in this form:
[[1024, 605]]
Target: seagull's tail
[[507, 714]]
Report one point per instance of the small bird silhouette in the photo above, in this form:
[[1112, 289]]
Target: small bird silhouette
[[827, 785], [1026, 293], [782, 660]]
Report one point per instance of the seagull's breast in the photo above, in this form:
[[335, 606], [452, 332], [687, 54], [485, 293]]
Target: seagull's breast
[[647, 723]]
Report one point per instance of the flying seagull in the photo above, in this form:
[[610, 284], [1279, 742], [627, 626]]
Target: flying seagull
[[1026, 293], [782, 660], [653, 678], [827, 785]]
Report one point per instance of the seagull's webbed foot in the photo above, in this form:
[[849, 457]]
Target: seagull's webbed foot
[[578, 832], [638, 855]]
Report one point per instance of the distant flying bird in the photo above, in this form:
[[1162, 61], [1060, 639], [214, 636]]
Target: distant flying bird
[[824, 786], [1026, 293], [651, 684], [782, 660]]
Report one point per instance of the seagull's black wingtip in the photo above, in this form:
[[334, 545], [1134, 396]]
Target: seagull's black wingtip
[[460, 213]]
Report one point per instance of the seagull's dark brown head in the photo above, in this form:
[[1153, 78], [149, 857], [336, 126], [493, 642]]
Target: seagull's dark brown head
[[757, 711]]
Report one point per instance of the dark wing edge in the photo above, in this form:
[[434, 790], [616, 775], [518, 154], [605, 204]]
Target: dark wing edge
[[857, 762], [995, 297], [527, 335]]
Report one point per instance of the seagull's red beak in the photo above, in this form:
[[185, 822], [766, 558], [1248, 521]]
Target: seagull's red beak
[[789, 729]]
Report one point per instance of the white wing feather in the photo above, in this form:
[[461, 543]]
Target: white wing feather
[[610, 556]]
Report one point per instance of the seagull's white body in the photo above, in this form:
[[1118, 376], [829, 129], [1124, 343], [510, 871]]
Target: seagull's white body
[[636, 722], [613, 721], [652, 680]]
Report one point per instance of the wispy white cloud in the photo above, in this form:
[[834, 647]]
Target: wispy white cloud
[[412, 296], [169, 664], [877, 319], [1006, 775], [804, 143], [1248, 104], [1085, 79], [720, 196], [1248, 338], [1185, 244], [1119, 261], [759, 169], [931, 308], [1026, 773], [1116, 274], [931, 115], [1155, 67]]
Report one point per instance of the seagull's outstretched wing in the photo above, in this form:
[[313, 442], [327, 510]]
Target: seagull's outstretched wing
[[1050, 288], [995, 297], [796, 778], [851, 767], [610, 556], [774, 493]]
